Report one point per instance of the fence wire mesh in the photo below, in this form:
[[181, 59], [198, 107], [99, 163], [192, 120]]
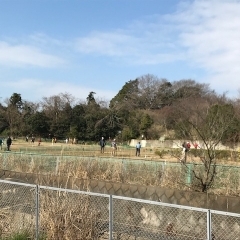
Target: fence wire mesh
[[140, 171], [17, 209], [71, 215], [225, 226], [141, 220]]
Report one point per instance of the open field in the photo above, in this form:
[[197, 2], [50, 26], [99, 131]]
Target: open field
[[82, 150], [86, 162], [153, 154]]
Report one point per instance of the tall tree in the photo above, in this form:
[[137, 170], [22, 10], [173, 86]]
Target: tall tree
[[90, 98], [148, 88], [164, 96], [13, 114], [3, 120], [57, 108], [78, 122], [38, 124], [190, 88], [145, 124], [110, 123], [16, 100], [127, 96]]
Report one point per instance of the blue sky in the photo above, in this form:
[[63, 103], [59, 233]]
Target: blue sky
[[49, 47]]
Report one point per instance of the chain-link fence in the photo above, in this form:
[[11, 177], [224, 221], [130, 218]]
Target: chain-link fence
[[126, 170], [54, 213], [17, 207], [148, 220], [145, 172]]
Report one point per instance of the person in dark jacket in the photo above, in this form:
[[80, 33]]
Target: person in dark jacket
[[9, 143], [102, 144]]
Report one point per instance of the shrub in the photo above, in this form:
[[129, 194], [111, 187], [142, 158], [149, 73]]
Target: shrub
[[24, 235], [161, 153]]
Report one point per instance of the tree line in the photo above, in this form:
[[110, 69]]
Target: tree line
[[147, 107]]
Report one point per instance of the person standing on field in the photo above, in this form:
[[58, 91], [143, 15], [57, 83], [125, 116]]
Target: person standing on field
[[9, 143], [102, 144], [114, 147], [1, 143], [138, 147], [33, 139], [186, 148]]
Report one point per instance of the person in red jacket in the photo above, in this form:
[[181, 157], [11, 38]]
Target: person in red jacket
[[186, 147]]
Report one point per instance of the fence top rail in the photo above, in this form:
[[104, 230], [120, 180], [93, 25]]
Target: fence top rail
[[161, 204], [73, 191], [18, 183], [54, 188], [225, 213]]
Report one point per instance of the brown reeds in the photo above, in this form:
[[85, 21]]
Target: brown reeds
[[68, 216]]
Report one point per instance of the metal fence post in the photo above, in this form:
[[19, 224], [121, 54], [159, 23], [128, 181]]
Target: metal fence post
[[57, 162], [209, 225], [110, 217], [4, 161], [189, 173], [37, 212]]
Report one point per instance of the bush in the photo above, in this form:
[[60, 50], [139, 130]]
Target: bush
[[25, 235], [161, 153]]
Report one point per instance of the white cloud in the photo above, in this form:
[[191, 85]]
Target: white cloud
[[24, 84], [77, 91], [133, 45], [111, 44], [44, 40], [203, 34], [35, 89], [24, 55], [209, 33]]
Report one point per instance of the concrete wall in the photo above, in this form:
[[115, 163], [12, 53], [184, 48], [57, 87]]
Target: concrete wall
[[134, 142], [193, 199], [161, 143]]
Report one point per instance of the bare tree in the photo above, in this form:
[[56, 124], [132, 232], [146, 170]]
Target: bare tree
[[53, 105], [206, 122], [188, 87], [57, 108], [13, 113]]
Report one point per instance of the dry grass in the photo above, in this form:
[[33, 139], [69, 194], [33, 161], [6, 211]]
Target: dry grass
[[75, 216], [86, 162], [70, 216], [14, 221], [138, 170], [63, 215]]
